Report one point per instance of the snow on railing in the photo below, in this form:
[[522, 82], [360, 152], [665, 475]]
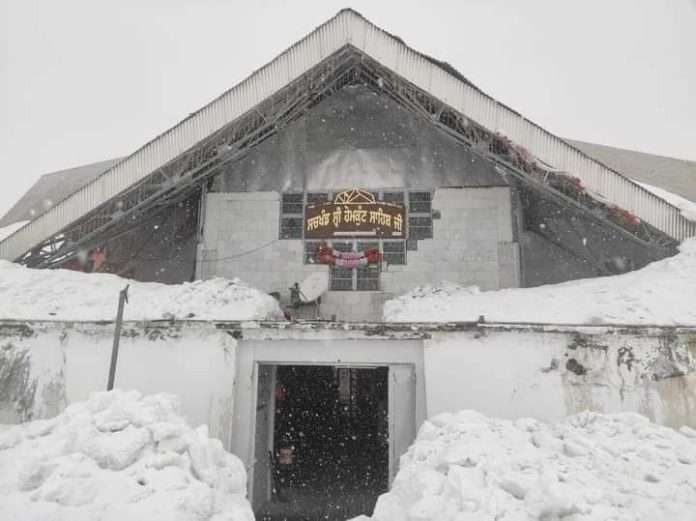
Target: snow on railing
[[349, 27]]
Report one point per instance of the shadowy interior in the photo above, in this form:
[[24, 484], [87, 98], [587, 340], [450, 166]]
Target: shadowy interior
[[330, 443]]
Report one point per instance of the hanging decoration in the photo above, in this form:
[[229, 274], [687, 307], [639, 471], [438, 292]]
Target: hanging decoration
[[569, 185], [623, 217], [347, 259]]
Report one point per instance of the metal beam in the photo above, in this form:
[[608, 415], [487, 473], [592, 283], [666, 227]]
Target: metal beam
[[161, 189]]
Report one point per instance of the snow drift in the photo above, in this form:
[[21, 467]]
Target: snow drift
[[661, 293], [587, 467], [70, 295], [119, 456]]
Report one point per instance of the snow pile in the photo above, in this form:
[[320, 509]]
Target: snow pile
[[687, 207], [588, 467], [71, 295], [118, 457], [661, 293]]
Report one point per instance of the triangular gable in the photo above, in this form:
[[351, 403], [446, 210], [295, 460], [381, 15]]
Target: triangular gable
[[348, 29], [358, 137]]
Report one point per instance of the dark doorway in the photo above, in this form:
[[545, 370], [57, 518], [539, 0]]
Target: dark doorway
[[330, 442]]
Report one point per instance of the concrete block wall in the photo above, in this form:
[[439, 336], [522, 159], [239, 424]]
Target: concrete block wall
[[472, 244], [240, 239], [355, 306]]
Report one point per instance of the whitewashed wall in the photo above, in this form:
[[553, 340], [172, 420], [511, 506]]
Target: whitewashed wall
[[70, 361], [498, 370], [550, 374]]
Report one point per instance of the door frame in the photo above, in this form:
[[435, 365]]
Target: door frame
[[339, 353]]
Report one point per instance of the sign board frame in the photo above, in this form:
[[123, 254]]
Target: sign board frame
[[354, 213]]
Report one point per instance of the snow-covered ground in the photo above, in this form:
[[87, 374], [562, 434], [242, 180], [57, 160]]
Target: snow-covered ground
[[119, 456], [587, 467], [662, 293], [687, 207], [70, 295]]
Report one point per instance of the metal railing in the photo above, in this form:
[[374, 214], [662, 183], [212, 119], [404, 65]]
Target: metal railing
[[349, 28]]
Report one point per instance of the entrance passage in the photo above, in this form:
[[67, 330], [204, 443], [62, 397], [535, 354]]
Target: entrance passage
[[328, 456]]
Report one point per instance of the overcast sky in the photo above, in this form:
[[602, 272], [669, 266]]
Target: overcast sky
[[87, 80]]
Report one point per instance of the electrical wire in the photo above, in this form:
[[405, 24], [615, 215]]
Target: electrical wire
[[243, 253]]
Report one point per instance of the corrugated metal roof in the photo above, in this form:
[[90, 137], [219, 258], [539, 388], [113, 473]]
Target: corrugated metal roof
[[52, 188], [349, 28], [674, 175]]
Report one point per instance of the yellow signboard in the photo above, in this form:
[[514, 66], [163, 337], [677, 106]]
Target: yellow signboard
[[354, 213]]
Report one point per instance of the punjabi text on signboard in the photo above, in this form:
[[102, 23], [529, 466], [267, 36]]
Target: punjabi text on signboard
[[369, 219]]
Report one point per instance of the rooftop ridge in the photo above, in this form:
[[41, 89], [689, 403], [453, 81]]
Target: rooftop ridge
[[348, 28]]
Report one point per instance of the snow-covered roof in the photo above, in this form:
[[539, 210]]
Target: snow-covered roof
[[674, 175], [52, 188], [687, 206], [347, 30]]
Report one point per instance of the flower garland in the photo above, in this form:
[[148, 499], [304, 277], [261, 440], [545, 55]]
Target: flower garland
[[347, 259], [624, 217]]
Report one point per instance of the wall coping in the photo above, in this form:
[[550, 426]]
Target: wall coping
[[386, 330]]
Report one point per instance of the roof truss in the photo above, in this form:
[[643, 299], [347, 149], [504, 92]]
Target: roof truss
[[163, 166], [179, 178]]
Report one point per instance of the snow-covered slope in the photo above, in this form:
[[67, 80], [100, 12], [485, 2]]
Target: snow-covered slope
[[587, 467], [70, 295], [119, 456], [662, 293]]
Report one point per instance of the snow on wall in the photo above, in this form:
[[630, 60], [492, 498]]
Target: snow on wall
[[502, 371], [44, 367], [550, 374]]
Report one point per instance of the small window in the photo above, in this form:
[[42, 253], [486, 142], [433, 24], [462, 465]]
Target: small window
[[364, 246], [310, 251], [420, 220], [292, 204], [393, 197], [291, 228], [342, 245], [368, 278], [291, 218], [341, 279], [420, 228], [419, 202], [364, 278], [394, 252]]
